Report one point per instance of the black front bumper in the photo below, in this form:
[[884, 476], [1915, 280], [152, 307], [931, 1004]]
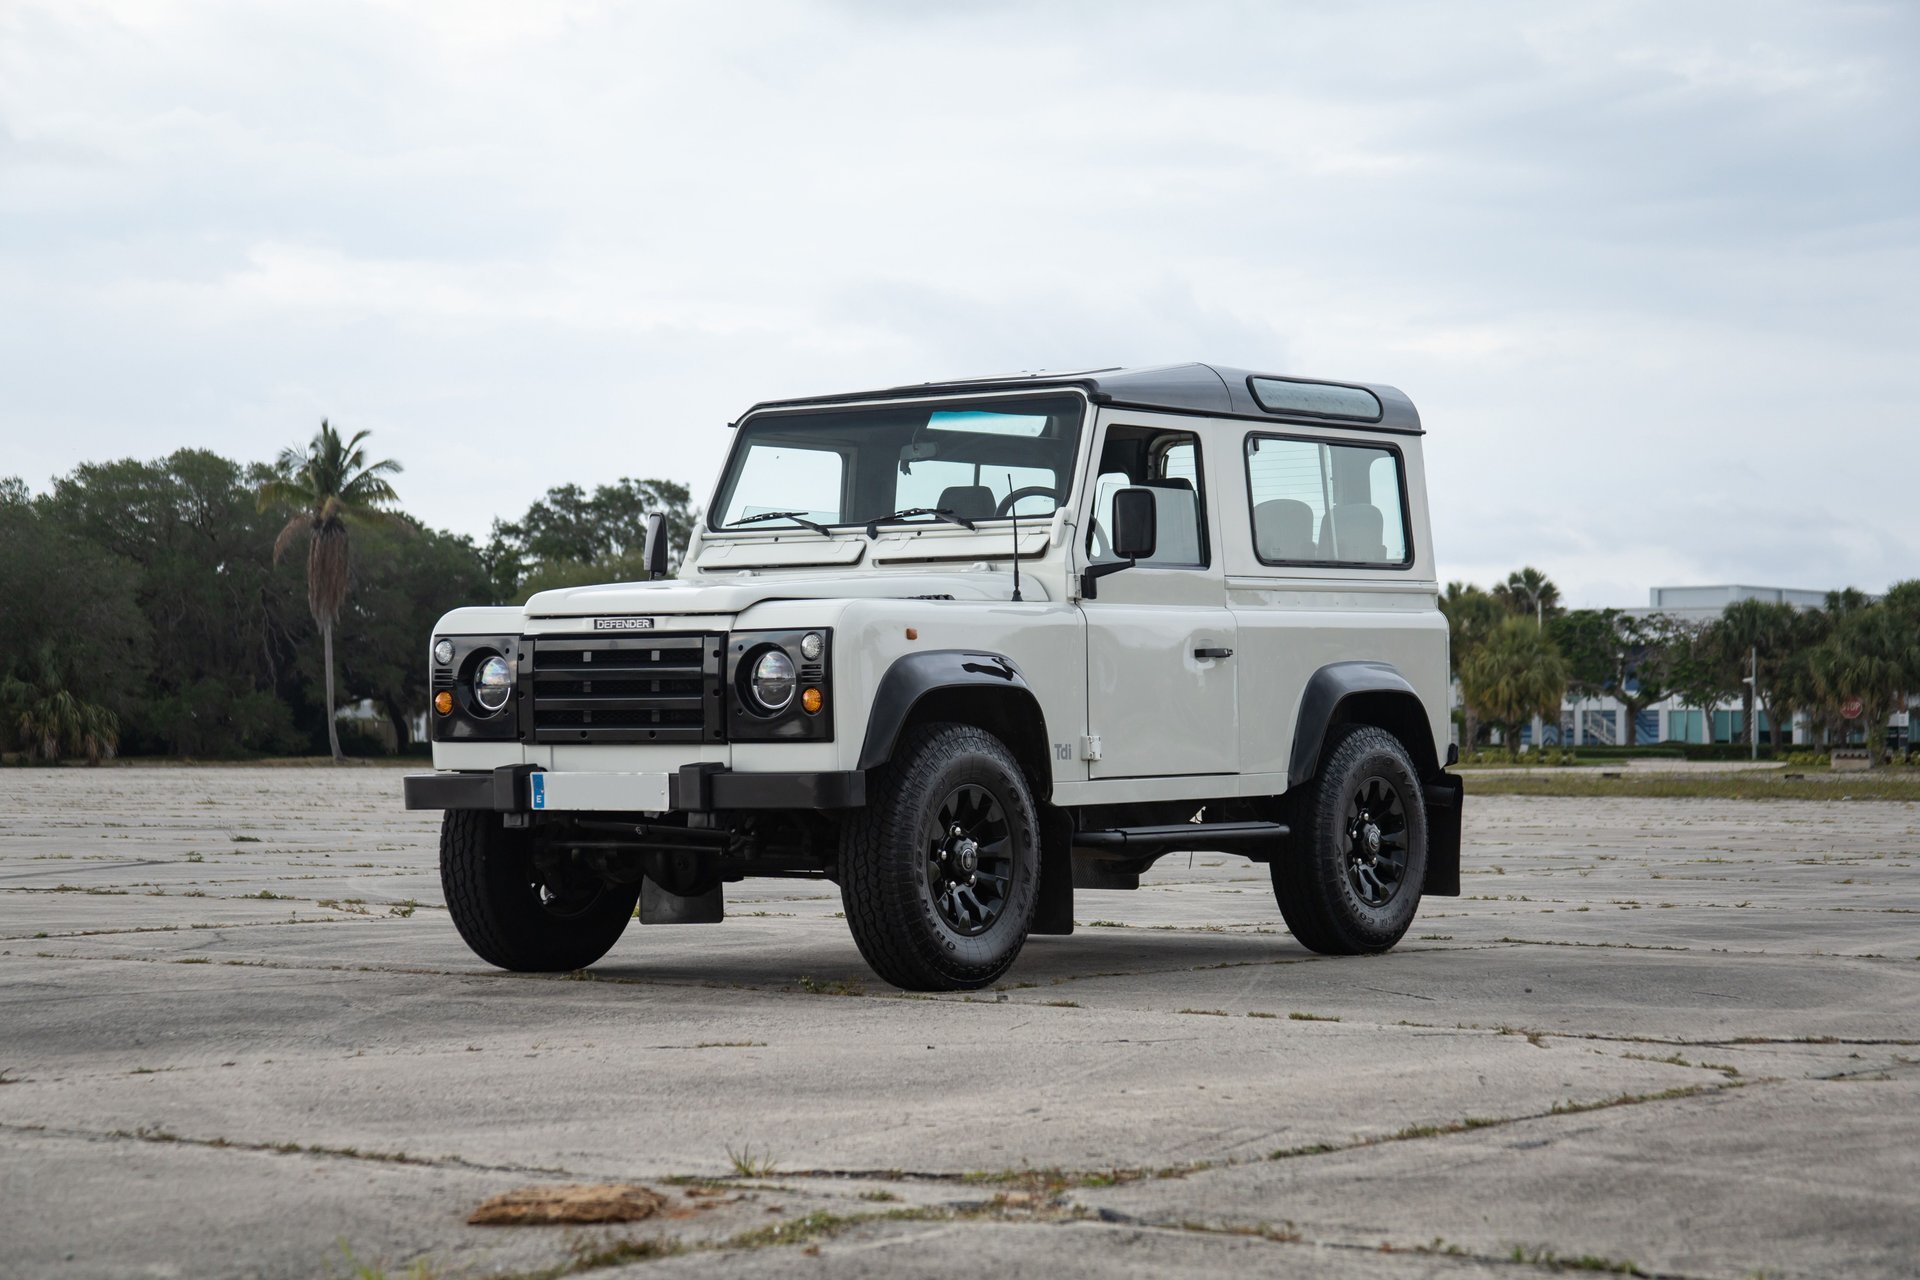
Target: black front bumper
[[695, 789]]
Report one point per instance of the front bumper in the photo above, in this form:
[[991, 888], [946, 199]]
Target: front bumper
[[697, 788]]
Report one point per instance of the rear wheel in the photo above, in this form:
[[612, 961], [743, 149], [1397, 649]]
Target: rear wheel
[[939, 874], [1351, 881], [532, 912]]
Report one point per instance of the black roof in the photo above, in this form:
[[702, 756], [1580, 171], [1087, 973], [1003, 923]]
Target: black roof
[[1173, 388]]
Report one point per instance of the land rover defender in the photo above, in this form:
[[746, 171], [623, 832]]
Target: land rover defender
[[962, 648]]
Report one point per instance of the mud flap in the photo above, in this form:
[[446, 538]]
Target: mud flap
[[1053, 913], [657, 906], [1444, 795]]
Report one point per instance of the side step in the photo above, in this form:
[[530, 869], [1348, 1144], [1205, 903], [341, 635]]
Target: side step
[[1128, 843]]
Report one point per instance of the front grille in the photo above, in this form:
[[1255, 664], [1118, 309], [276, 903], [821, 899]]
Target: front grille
[[653, 688]]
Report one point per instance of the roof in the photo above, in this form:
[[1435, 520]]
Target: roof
[[1173, 388]]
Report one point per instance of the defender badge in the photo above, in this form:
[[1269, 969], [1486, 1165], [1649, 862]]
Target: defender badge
[[623, 624]]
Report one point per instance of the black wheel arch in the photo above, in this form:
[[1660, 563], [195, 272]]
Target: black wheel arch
[[966, 687], [1376, 693]]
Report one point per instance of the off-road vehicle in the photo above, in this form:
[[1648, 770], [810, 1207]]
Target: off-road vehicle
[[963, 648]]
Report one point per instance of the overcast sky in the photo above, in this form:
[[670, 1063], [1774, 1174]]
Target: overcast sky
[[1650, 271]]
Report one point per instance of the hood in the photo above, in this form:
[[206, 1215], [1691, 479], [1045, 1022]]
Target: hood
[[727, 596]]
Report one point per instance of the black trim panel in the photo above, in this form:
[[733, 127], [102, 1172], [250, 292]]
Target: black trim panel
[[1330, 686], [916, 675], [503, 790]]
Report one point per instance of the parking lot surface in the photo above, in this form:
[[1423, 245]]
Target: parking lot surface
[[239, 1036]]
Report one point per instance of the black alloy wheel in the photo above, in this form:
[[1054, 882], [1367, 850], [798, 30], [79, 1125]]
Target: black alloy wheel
[[940, 872], [970, 859], [1349, 880], [1376, 839]]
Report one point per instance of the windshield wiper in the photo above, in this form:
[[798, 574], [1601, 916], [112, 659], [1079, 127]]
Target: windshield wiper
[[941, 513], [795, 516]]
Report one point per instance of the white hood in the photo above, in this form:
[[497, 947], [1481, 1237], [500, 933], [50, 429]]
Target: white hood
[[727, 596]]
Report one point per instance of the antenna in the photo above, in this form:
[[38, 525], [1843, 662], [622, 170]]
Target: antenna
[[1014, 511]]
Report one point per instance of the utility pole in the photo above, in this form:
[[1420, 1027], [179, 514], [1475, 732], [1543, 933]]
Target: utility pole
[[1753, 715]]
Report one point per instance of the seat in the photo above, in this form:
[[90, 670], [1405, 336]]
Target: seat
[[968, 501], [1354, 531], [1283, 530]]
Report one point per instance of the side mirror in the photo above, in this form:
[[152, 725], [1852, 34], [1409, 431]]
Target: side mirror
[[1136, 525], [655, 553], [1136, 530]]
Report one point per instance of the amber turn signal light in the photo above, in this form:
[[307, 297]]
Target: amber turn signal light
[[443, 703], [812, 701]]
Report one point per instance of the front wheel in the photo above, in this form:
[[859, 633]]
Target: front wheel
[[528, 912], [939, 874], [1350, 882]]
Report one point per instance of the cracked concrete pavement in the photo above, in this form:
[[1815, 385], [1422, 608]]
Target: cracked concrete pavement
[[239, 1036]]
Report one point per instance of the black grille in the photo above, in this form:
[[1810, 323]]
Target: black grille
[[654, 688]]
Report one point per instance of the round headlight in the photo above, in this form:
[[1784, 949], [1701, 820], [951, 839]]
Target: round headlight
[[492, 683], [771, 683], [443, 651], [812, 646]]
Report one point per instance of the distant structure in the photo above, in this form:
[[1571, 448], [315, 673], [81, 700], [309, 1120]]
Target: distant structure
[[1603, 721]]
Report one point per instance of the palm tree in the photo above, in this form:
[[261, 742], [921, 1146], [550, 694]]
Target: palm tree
[[1529, 591], [328, 484], [51, 721], [1514, 675]]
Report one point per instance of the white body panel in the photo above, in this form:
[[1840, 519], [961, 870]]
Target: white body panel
[[1121, 667]]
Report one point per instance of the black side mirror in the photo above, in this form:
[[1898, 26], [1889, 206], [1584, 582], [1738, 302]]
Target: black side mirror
[[1136, 526], [1136, 530], [655, 553]]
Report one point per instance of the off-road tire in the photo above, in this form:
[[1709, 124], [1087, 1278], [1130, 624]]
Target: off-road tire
[[1313, 878], [494, 895], [892, 903]]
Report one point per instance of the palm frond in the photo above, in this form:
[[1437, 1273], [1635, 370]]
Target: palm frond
[[300, 523]]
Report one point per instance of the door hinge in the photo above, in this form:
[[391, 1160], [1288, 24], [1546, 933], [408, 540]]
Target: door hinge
[[1090, 747]]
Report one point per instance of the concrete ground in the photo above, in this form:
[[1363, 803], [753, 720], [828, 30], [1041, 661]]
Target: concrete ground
[[240, 1037]]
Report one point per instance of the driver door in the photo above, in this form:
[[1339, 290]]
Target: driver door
[[1161, 693]]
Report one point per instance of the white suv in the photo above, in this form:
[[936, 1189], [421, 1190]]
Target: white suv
[[962, 648]]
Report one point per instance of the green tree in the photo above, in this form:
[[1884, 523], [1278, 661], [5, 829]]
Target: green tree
[[404, 577], [1764, 632], [216, 622], [1701, 673], [49, 719], [1611, 654], [1472, 615], [330, 484], [1870, 656], [570, 538], [1531, 592], [1515, 675]]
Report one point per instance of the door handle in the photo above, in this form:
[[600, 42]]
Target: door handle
[[1213, 653]]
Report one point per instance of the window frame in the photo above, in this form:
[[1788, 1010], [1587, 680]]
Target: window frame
[[1406, 506], [1157, 458]]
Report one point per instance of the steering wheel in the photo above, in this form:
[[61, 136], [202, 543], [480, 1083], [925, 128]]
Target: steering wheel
[[1031, 491]]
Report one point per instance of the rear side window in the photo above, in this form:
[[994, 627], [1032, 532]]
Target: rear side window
[[1316, 502]]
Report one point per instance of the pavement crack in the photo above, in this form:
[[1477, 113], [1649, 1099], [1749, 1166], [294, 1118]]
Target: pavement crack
[[163, 1136]]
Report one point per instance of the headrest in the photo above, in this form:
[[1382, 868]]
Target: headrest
[[1354, 531], [1283, 530], [968, 501]]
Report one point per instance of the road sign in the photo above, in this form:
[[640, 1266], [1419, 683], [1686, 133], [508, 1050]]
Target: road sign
[[1852, 708]]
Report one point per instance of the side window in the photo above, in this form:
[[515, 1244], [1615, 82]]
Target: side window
[[1167, 462], [1315, 502]]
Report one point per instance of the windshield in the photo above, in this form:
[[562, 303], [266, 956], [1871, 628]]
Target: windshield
[[976, 459]]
